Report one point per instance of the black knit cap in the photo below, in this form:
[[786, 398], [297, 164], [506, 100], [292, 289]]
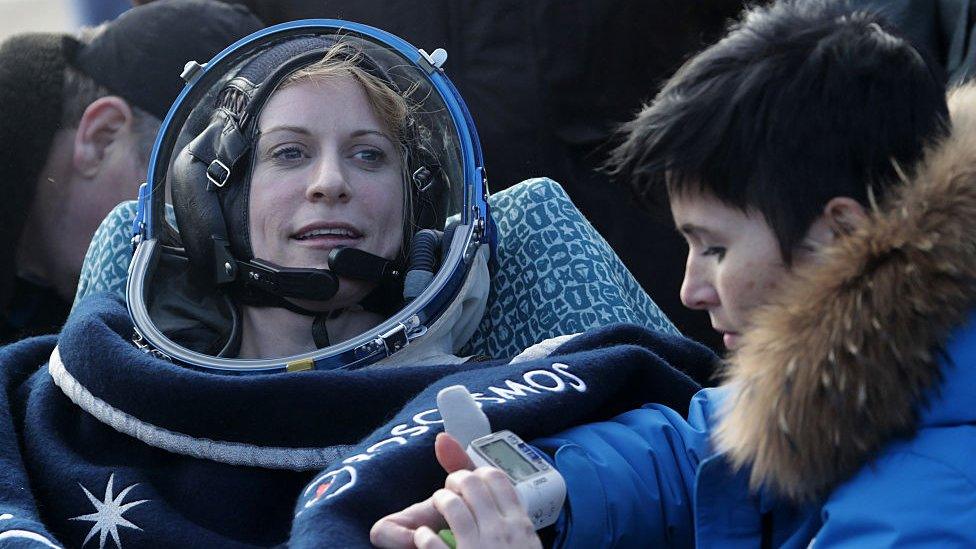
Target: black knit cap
[[141, 54], [31, 82]]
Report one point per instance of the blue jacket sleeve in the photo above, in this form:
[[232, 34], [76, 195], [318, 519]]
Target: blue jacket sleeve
[[630, 481]]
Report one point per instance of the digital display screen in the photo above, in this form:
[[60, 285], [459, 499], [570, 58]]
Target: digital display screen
[[509, 460]]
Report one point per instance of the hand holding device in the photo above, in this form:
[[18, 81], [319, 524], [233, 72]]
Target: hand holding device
[[540, 488], [471, 443]]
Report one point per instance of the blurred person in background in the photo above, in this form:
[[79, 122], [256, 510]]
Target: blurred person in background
[[80, 115]]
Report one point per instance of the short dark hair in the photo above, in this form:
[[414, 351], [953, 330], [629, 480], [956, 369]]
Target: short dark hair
[[803, 101]]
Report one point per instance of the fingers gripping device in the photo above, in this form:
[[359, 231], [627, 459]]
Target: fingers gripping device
[[540, 487]]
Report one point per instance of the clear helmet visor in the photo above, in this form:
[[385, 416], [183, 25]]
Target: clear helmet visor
[[313, 169]]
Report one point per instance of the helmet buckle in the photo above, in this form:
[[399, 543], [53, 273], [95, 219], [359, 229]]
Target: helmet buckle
[[218, 173], [422, 178]]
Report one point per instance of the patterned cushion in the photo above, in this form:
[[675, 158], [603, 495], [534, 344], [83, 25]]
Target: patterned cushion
[[556, 274], [106, 264]]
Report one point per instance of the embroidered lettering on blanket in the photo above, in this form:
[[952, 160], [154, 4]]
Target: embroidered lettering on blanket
[[531, 383]]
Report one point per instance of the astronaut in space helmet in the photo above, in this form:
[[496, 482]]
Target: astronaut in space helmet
[[330, 209]]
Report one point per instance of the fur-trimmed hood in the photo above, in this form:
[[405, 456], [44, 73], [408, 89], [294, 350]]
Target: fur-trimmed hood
[[843, 359]]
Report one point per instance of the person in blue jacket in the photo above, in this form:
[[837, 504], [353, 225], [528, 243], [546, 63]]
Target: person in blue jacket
[[844, 297]]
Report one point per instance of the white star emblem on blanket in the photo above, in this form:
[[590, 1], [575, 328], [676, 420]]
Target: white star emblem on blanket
[[108, 514]]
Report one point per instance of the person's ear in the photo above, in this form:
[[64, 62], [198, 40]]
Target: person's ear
[[101, 125], [845, 215], [842, 215]]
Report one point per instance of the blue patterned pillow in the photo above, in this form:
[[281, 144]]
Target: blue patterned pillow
[[106, 265], [556, 274]]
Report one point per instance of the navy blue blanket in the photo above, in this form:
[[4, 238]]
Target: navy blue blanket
[[592, 377], [110, 447]]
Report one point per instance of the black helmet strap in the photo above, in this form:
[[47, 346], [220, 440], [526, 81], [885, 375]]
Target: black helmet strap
[[265, 284]]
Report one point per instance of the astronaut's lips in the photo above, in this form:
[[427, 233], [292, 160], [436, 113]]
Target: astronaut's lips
[[328, 235]]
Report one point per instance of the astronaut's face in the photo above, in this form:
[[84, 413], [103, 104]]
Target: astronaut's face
[[327, 173]]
